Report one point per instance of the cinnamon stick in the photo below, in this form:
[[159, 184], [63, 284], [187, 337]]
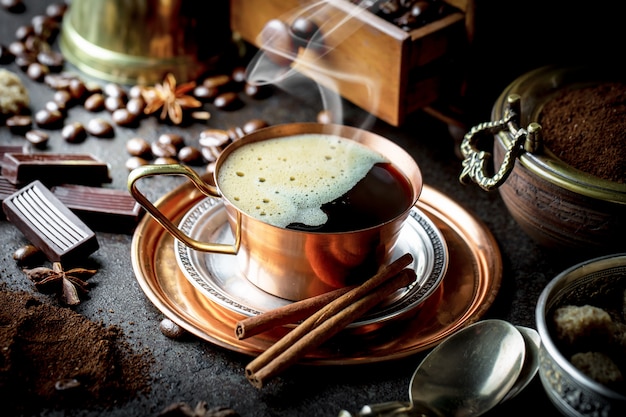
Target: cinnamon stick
[[287, 314], [329, 310], [271, 366]]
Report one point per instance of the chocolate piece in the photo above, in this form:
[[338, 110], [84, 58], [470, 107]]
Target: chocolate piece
[[53, 169], [103, 209], [49, 224], [4, 149], [6, 189]]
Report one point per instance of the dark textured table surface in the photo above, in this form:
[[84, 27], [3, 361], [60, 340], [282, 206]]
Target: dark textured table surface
[[194, 370]]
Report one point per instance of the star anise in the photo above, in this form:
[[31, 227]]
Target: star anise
[[70, 285], [172, 99]]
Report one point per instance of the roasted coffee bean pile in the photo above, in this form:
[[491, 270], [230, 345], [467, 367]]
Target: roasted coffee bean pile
[[34, 55], [408, 14], [171, 148]]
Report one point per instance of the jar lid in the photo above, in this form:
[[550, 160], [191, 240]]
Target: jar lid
[[534, 89]]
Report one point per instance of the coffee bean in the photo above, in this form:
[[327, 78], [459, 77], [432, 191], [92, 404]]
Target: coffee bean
[[56, 11], [205, 93], [100, 128], [276, 35], [24, 60], [213, 137], [45, 27], [254, 125], [136, 106], [57, 81], [115, 90], [28, 254], [50, 119], [136, 91], [238, 74], [217, 81], [235, 133], [62, 98], [55, 106], [163, 150], [77, 89], [52, 59], [122, 117], [210, 153], [74, 132], [34, 44], [94, 102], [171, 329], [13, 6], [112, 103], [257, 91], [37, 71], [228, 101], [304, 30], [135, 162], [19, 124], [138, 147], [17, 48], [23, 32], [172, 139], [190, 155], [37, 138]]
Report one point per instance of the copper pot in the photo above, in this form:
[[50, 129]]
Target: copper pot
[[287, 263]]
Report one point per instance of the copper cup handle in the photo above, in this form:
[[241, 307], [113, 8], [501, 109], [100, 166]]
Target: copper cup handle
[[206, 189], [476, 162]]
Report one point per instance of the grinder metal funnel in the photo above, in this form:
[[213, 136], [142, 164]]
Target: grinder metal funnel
[[139, 41]]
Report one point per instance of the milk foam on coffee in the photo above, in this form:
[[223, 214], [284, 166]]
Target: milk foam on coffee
[[286, 180]]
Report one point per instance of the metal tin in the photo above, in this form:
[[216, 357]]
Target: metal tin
[[569, 389], [559, 206]]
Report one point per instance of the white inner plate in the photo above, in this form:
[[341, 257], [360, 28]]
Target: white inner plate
[[218, 276]]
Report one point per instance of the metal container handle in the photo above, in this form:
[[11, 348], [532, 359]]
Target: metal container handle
[[476, 162], [206, 189]]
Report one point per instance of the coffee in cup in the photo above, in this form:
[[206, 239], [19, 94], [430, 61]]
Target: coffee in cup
[[314, 183]]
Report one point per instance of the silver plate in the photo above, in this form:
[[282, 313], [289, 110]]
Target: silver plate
[[217, 276]]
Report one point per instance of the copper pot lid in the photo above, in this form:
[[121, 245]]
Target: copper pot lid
[[515, 116]]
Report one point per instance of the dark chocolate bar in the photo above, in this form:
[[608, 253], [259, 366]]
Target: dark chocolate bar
[[13, 149], [49, 224], [6, 188], [103, 209], [5, 149], [53, 169]]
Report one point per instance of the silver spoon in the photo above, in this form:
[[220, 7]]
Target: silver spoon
[[465, 375], [532, 341]]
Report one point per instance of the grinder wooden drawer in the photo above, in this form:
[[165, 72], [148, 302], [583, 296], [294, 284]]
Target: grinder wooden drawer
[[405, 70]]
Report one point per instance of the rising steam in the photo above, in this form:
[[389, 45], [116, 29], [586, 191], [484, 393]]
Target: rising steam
[[281, 63]]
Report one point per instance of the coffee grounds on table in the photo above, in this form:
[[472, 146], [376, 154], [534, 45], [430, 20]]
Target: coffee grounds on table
[[586, 128], [43, 345]]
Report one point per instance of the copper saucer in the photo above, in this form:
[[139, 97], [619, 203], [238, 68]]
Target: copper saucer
[[219, 277], [468, 289]]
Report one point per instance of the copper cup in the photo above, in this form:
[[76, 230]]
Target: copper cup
[[287, 263]]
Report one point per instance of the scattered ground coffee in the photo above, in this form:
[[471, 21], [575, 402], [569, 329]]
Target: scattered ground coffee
[[53, 357], [586, 128]]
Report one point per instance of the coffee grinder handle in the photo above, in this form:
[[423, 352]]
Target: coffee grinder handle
[[206, 189]]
